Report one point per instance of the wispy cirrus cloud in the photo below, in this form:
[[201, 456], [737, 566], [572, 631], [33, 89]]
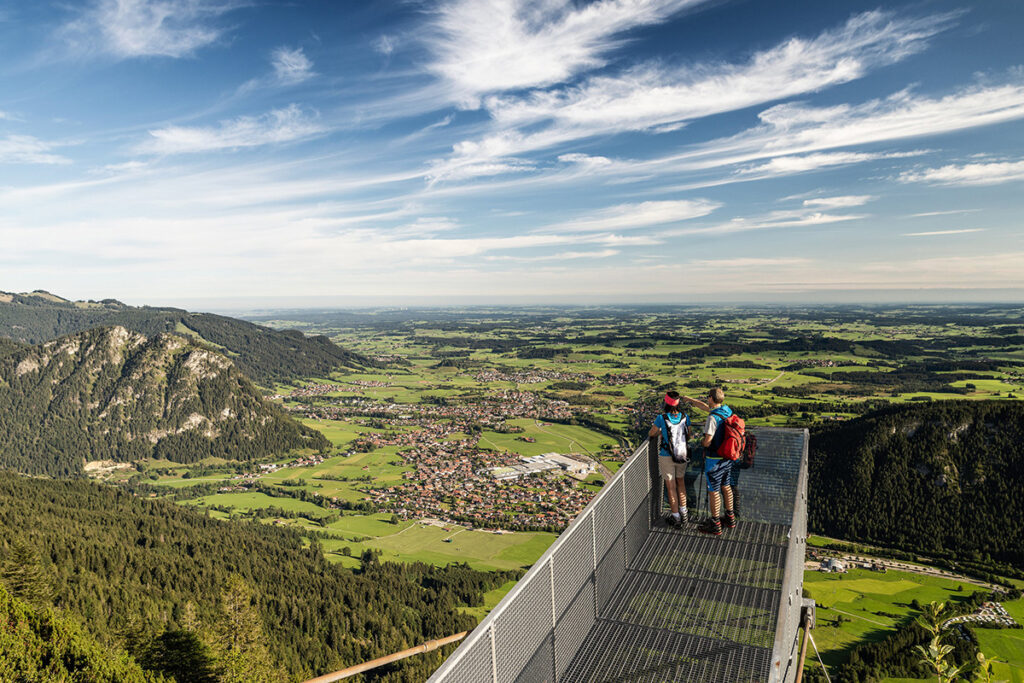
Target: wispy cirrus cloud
[[291, 65], [934, 233], [796, 137], [278, 126], [951, 212], [656, 98], [483, 46], [751, 262], [991, 173], [802, 163], [797, 128], [774, 220], [146, 28], [840, 202], [561, 256], [26, 149], [634, 216], [385, 45]]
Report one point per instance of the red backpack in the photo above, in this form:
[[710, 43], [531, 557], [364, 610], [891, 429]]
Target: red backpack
[[734, 438]]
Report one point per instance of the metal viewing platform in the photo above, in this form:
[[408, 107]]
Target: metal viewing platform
[[622, 597]]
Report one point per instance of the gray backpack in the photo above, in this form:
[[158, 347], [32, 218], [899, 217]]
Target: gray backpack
[[676, 444]]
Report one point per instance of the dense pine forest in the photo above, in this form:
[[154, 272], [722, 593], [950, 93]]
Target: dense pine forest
[[943, 479], [195, 598], [263, 354], [111, 394]]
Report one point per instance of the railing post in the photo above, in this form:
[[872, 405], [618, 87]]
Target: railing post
[[494, 658], [554, 617], [653, 448], [593, 554]]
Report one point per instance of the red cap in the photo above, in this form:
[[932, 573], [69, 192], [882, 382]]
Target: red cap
[[671, 401]]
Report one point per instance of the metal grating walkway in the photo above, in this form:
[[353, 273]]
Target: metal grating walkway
[[620, 596], [690, 608]]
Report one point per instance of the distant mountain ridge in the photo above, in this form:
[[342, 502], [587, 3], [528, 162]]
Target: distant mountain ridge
[[264, 354], [113, 394], [943, 479]]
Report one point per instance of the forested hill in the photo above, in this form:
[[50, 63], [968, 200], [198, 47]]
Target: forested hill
[[202, 599], [112, 394], [9, 346], [38, 645], [945, 478], [265, 355]]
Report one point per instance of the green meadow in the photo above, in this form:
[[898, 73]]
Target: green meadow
[[863, 605], [550, 437], [418, 542]]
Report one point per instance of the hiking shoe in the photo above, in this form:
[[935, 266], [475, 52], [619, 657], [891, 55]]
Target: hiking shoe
[[711, 526], [729, 520], [671, 521]]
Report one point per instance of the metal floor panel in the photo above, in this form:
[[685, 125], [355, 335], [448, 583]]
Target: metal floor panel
[[690, 607]]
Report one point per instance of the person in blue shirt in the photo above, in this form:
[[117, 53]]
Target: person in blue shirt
[[674, 428], [722, 473]]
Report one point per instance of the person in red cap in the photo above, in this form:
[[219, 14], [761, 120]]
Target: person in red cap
[[673, 457]]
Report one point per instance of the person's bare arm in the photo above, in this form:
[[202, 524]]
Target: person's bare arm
[[707, 440], [654, 431], [697, 403]]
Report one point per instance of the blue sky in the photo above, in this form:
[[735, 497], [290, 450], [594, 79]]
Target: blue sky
[[500, 150]]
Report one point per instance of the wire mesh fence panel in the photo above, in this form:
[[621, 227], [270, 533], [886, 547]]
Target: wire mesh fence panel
[[608, 519], [475, 665], [540, 667], [610, 570], [573, 564], [523, 633], [573, 627], [663, 604], [637, 488]]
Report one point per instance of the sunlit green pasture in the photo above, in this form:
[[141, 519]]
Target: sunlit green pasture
[[550, 437], [863, 605]]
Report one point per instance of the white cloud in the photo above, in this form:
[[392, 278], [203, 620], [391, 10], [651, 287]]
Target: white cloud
[[385, 45], [291, 65], [943, 213], [797, 129], [25, 149], [482, 46], [791, 218], [279, 125], [650, 96], [788, 165], [942, 232], [842, 202], [144, 28], [657, 98], [634, 216], [993, 173], [585, 160], [562, 256], [751, 262]]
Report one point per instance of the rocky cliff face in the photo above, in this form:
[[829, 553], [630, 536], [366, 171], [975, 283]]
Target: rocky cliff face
[[110, 393], [263, 354]]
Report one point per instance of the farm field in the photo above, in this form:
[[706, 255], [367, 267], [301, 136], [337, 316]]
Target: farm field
[[418, 542], [548, 438], [863, 606], [454, 387]]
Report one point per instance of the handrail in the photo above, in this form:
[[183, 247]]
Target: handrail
[[640, 454], [387, 659]]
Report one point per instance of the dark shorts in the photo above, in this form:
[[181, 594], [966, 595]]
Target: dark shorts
[[718, 472]]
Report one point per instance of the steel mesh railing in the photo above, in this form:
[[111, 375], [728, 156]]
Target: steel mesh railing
[[619, 597]]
